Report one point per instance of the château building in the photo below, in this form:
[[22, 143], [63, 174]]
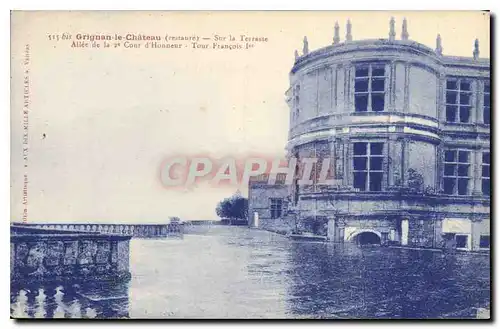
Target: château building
[[409, 131]]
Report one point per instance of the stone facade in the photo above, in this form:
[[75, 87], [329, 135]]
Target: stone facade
[[408, 132], [260, 196]]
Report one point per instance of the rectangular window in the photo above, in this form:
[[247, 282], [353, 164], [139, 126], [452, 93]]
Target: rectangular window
[[458, 100], [456, 172], [461, 241], [486, 103], [369, 88], [367, 166], [484, 241], [276, 207], [485, 174]]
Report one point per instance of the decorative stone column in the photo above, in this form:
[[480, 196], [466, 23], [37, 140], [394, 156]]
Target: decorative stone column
[[405, 230], [338, 158], [439, 167], [405, 162], [479, 94], [406, 89], [474, 102], [347, 180], [391, 86], [477, 161], [349, 88], [340, 101], [441, 107]]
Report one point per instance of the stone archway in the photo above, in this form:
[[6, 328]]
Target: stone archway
[[365, 236]]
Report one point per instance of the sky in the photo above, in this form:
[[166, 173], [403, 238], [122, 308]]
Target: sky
[[101, 121]]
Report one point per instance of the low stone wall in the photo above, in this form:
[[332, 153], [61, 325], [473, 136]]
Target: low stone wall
[[277, 225], [57, 255]]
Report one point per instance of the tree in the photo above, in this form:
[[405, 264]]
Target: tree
[[235, 206]]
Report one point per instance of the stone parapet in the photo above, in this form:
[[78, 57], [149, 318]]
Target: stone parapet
[[50, 255]]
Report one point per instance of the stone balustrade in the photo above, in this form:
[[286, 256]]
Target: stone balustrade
[[135, 230], [51, 254]]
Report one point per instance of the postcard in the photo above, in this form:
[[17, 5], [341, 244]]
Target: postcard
[[250, 165]]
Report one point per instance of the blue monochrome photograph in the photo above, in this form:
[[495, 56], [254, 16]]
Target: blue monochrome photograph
[[316, 165]]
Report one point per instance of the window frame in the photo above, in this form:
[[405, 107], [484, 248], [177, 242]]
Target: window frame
[[487, 96], [466, 236], [489, 241], [483, 177], [457, 105], [456, 176], [276, 207], [368, 170], [369, 93]]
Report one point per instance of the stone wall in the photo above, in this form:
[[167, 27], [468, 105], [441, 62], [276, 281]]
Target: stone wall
[[422, 233], [277, 225], [422, 91], [383, 214], [422, 159], [479, 228]]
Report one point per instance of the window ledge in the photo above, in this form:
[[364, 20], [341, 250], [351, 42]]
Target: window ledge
[[464, 124]]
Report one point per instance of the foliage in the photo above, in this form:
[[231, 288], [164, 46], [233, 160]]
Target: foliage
[[235, 206], [430, 190], [174, 219], [415, 180]]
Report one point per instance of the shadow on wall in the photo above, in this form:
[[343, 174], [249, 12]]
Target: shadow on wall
[[317, 225]]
